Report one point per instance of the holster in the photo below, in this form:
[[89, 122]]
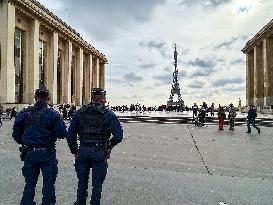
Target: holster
[[23, 152], [108, 153], [109, 148]]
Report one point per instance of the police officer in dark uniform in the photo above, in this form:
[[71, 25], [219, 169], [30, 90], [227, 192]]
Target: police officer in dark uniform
[[94, 124], [37, 129]]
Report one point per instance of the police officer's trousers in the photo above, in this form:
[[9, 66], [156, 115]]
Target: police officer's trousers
[[251, 122], [44, 160], [90, 156]]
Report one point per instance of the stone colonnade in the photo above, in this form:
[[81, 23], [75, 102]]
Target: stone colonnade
[[259, 73], [34, 52]]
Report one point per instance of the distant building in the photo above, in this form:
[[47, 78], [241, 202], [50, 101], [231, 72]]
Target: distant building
[[38, 48], [259, 67]]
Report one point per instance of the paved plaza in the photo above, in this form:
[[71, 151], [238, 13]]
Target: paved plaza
[[163, 164]]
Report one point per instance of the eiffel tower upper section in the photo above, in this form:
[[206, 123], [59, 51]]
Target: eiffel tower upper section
[[175, 86]]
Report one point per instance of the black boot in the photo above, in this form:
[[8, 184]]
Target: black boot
[[259, 131]]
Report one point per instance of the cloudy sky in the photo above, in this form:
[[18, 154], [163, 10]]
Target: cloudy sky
[[138, 38]]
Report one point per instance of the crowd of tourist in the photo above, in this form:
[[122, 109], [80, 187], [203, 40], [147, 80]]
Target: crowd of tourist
[[67, 111], [9, 113], [199, 113], [133, 107]]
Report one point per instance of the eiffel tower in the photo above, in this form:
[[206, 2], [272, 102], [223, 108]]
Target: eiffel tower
[[175, 86]]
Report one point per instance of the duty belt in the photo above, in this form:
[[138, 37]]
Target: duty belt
[[41, 147], [90, 143], [90, 137]]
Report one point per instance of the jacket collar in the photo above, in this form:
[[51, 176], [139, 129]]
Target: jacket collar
[[40, 104]]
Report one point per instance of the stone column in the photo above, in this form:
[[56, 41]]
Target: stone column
[[79, 76], [90, 75], [95, 71], [258, 76], [63, 78], [32, 61], [268, 68], [51, 80], [250, 78], [98, 73], [7, 70], [87, 70], [67, 73], [102, 75]]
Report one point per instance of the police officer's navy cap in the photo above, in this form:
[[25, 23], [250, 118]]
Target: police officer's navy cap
[[98, 92], [42, 91]]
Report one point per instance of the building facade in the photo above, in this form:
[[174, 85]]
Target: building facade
[[36, 47], [259, 67]]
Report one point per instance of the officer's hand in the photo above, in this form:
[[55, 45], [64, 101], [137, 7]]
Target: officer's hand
[[107, 154], [109, 146], [76, 155]]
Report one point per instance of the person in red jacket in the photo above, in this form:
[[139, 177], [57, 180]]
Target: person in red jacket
[[221, 117]]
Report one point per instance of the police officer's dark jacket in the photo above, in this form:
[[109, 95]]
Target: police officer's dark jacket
[[38, 126], [94, 123]]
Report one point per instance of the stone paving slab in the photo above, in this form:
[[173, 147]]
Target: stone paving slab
[[159, 164]]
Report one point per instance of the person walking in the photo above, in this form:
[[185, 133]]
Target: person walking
[[1, 113], [8, 111], [13, 113], [221, 117], [37, 129], [194, 111], [231, 116], [251, 115], [94, 124], [202, 116], [205, 106], [212, 109], [71, 112], [64, 111]]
